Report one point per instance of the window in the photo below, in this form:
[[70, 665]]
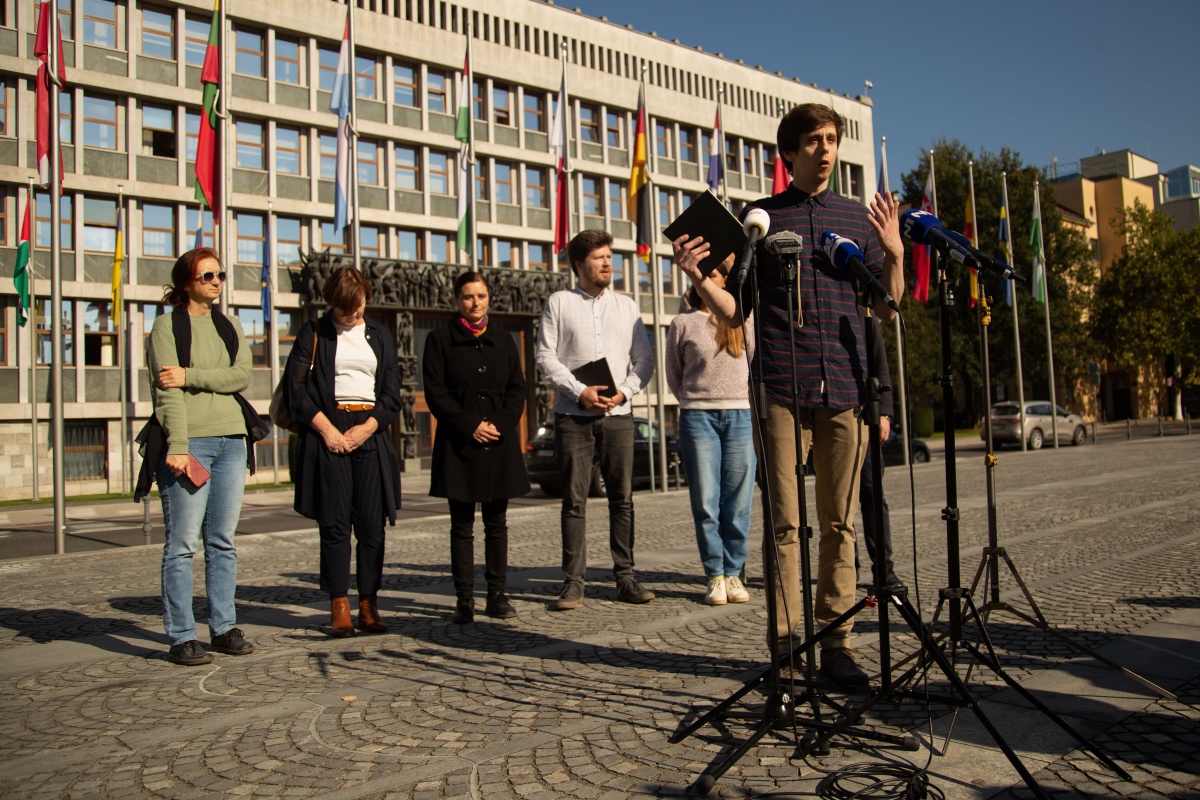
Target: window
[[408, 169], [481, 181], [749, 158], [369, 241], [158, 33], [502, 105], [768, 161], [42, 221], [589, 123], [158, 231], [289, 66], [100, 122], [66, 129], [42, 319], [328, 156], [4, 225], [504, 182], [366, 77], [332, 238], [158, 132], [64, 18], [285, 331], [614, 127], [195, 40], [591, 196], [99, 225], [100, 22], [248, 54], [687, 145], [483, 250], [4, 101], [289, 151], [410, 245], [535, 112], [191, 134], [250, 238], [368, 162], [436, 96], [537, 257], [251, 144], [192, 220], [643, 276], [150, 312], [507, 253], [664, 207], [439, 172], [478, 104], [439, 247], [618, 271], [616, 200], [662, 140], [404, 83], [287, 242], [256, 335], [731, 155], [99, 334], [668, 275], [4, 303], [706, 147], [327, 63], [535, 188]]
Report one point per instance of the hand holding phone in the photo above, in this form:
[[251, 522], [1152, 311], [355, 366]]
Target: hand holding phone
[[196, 472]]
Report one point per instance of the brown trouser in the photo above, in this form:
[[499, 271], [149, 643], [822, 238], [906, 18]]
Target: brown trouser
[[838, 446]]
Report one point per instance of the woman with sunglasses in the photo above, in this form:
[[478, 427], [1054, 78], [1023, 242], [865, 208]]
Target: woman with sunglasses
[[345, 394], [203, 474]]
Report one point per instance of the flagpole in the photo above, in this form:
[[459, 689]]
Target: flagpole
[[353, 154], [221, 213], [656, 316], [472, 220], [567, 167], [722, 178], [56, 321], [1016, 317], [900, 396], [1044, 285], [933, 184], [33, 343], [272, 332], [119, 309]]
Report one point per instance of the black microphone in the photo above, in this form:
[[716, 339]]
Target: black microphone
[[921, 227], [971, 256], [845, 253], [756, 225]]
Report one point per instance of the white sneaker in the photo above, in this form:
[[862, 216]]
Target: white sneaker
[[735, 592], [716, 591]]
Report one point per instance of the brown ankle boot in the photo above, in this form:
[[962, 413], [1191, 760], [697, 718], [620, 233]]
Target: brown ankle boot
[[368, 615], [341, 626]]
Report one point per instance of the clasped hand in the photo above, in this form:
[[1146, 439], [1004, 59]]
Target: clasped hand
[[591, 399], [486, 433], [343, 443]]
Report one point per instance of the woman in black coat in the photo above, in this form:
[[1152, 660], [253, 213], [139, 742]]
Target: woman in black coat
[[347, 475], [476, 391]]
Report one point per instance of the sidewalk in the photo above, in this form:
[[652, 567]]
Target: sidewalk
[[581, 704]]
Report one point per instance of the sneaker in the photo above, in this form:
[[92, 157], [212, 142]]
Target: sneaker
[[838, 665], [716, 595], [498, 607], [464, 611], [189, 654], [232, 643], [630, 591], [571, 597], [735, 591]]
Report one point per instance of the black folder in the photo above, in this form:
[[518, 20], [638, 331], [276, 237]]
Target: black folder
[[707, 216], [597, 373]]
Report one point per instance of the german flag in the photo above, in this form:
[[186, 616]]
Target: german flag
[[639, 182]]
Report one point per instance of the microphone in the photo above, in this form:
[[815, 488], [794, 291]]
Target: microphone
[[845, 254], [756, 225], [921, 227]]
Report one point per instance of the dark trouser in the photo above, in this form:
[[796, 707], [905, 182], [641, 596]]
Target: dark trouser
[[578, 440], [462, 546], [360, 505], [866, 496]]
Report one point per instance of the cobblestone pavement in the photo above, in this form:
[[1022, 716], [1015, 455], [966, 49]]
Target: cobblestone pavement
[[581, 704]]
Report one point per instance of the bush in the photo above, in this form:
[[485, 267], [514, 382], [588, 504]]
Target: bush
[[922, 422]]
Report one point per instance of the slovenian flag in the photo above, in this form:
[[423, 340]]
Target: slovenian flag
[[339, 104], [716, 170]]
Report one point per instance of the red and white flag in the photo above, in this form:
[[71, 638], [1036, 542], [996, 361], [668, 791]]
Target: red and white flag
[[559, 146], [47, 116], [921, 256]]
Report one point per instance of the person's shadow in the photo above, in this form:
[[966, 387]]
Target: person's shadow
[[111, 634]]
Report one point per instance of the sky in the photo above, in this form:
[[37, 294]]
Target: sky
[[1064, 78]]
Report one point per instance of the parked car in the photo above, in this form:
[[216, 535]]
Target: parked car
[[1006, 425], [893, 451], [542, 462]]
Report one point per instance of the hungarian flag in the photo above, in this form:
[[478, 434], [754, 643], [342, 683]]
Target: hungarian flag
[[558, 146], [639, 182], [45, 116], [118, 262], [339, 103], [921, 257], [1039, 251], [21, 272], [716, 170], [969, 233], [462, 132], [1006, 248], [207, 153]]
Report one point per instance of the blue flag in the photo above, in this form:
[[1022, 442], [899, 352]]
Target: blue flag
[[266, 276], [1006, 246]]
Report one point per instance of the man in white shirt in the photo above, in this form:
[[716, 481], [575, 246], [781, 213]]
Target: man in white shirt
[[579, 326]]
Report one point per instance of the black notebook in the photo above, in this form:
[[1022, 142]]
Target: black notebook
[[707, 216], [597, 373]]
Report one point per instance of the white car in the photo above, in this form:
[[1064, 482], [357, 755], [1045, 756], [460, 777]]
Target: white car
[[1006, 425]]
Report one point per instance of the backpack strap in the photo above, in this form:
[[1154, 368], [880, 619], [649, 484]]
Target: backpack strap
[[181, 326]]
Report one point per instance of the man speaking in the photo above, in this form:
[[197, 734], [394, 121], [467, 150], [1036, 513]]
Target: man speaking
[[830, 368]]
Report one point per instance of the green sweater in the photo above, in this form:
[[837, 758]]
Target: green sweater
[[205, 406]]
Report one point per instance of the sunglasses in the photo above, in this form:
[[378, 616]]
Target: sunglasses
[[208, 277]]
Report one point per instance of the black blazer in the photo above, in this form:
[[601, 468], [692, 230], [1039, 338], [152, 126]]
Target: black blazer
[[307, 394]]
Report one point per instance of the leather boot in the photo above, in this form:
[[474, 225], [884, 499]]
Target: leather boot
[[464, 610], [368, 615], [341, 626]]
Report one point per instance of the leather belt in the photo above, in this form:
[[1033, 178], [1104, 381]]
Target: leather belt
[[355, 406]]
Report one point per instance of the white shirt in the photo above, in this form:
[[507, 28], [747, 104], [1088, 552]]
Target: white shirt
[[354, 366]]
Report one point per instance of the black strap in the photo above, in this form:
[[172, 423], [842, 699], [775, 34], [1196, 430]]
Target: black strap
[[181, 326]]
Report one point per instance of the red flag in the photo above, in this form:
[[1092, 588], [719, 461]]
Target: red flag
[[969, 233], [559, 145], [782, 178], [46, 116], [921, 252], [206, 145]]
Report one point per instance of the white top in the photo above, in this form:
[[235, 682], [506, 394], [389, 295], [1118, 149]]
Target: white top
[[354, 366]]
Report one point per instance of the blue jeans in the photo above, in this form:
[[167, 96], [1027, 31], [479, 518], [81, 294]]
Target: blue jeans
[[210, 512], [718, 454]]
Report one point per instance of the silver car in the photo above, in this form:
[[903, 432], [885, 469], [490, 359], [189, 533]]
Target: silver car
[[1006, 425]]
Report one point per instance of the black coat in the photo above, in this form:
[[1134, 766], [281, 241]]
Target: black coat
[[308, 394], [469, 379]]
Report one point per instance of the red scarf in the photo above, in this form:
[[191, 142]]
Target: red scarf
[[477, 328]]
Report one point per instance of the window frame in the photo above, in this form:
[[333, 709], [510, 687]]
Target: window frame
[[413, 86], [169, 35], [298, 61], [149, 231], [535, 114], [281, 147], [88, 18], [91, 124], [249, 146], [589, 123], [437, 176], [506, 185], [537, 187], [239, 49], [403, 170], [437, 91]]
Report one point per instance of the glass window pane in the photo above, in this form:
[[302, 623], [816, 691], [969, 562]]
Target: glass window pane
[[158, 33]]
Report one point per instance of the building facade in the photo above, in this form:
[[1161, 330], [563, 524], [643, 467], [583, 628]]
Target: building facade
[[129, 120]]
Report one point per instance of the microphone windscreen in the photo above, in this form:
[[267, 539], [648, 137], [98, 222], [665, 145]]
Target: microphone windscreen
[[757, 219], [917, 225]]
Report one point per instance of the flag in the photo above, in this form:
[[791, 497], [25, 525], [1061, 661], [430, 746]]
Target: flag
[[21, 277], [265, 278], [782, 178], [639, 181], [921, 257], [716, 170], [969, 233], [1039, 252], [199, 230], [1006, 248], [339, 103], [118, 262], [462, 132], [558, 146], [207, 153], [45, 116]]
